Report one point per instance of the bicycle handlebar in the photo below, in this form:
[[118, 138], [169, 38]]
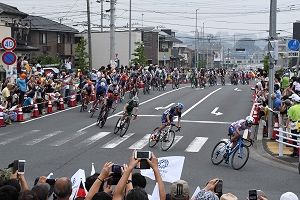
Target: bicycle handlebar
[[172, 124], [251, 142]]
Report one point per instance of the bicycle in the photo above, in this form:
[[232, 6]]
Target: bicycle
[[240, 153], [122, 94], [103, 116], [194, 82], [166, 137], [123, 126], [83, 107], [223, 80], [94, 108], [146, 88], [175, 83]]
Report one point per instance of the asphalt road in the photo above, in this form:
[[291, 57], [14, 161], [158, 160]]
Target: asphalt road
[[64, 142]]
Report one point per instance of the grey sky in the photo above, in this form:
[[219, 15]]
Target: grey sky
[[232, 16]]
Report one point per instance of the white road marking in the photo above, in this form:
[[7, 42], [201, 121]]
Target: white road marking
[[92, 139], [196, 104], [18, 137], [139, 105], [143, 115], [176, 140], [116, 141], [225, 140], [1, 134], [205, 122], [37, 140], [63, 141], [141, 143], [196, 144]]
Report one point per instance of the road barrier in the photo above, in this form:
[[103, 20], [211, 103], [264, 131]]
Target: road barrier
[[2, 124]]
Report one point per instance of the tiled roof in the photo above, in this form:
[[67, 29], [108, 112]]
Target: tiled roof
[[7, 9], [44, 24]]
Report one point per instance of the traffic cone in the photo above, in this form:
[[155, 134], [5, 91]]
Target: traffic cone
[[124, 89], [276, 126], [20, 117], [35, 111], [142, 84], [61, 105], [255, 115], [2, 124], [72, 100], [93, 96], [49, 108]]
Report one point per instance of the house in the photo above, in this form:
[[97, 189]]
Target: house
[[52, 38]]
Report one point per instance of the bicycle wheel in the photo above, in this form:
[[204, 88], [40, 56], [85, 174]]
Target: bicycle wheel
[[173, 84], [218, 152], [130, 94], [81, 108], [98, 120], [240, 157], [148, 89], [168, 140], [124, 127], [103, 119], [144, 90], [92, 112], [177, 86], [152, 143], [192, 83], [116, 129]]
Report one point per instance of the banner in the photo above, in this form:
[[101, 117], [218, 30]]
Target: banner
[[170, 168]]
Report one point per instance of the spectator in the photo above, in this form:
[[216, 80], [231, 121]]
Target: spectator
[[229, 196], [7, 91], [19, 68], [41, 190], [296, 85], [276, 102], [277, 91], [21, 83], [68, 65], [63, 188], [208, 191], [179, 191], [138, 180], [28, 195], [8, 192]]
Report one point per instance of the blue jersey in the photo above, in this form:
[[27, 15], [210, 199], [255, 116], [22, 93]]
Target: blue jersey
[[172, 112]]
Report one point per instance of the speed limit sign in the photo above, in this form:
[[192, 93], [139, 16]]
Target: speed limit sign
[[9, 44]]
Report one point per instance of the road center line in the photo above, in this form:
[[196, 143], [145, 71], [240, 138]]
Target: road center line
[[139, 105]]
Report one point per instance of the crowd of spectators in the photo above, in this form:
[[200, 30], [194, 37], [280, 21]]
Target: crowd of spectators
[[285, 99], [131, 186]]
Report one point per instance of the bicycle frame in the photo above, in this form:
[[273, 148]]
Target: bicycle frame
[[238, 146]]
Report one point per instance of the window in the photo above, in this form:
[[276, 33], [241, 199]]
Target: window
[[239, 61], [60, 38], [69, 37], [43, 38]]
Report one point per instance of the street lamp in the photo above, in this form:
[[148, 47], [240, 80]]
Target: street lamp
[[196, 31], [129, 49]]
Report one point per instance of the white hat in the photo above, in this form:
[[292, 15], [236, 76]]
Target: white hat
[[293, 96], [288, 196], [297, 98], [267, 79]]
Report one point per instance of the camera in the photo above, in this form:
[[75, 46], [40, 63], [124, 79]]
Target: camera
[[219, 187], [20, 166], [143, 155], [252, 195]]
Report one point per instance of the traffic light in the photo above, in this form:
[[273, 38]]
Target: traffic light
[[274, 52]]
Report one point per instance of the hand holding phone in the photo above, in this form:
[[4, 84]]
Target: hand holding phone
[[252, 195], [143, 155], [21, 166], [219, 187]]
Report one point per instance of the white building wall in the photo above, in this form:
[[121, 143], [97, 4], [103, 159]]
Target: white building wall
[[101, 47]]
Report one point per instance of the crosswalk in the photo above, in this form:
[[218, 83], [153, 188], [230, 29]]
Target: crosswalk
[[83, 139]]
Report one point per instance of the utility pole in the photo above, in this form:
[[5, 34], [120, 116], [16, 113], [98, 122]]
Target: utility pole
[[89, 34], [272, 60], [112, 30], [102, 15], [203, 54], [129, 54], [228, 58], [196, 31]]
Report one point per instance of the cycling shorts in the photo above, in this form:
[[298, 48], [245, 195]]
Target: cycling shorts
[[99, 95], [88, 92], [129, 111], [109, 103], [164, 119], [231, 131]]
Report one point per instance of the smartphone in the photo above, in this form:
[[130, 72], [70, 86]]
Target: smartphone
[[21, 166], [252, 195], [15, 166], [219, 187], [142, 154], [116, 169], [50, 181]]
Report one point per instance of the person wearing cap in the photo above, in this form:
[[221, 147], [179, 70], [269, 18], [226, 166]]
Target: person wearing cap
[[296, 85], [292, 121], [41, 190], [276, 102], [285, 81], [21, 83], [208, 191], [179, 191], [289, 196]]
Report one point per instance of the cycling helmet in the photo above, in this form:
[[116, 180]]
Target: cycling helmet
[[136, 99], [148, 72], [102, 84], [103, 80], [90, 83], [175, 69], [133, 73], [250, 119], [115, 83], [180, 105]]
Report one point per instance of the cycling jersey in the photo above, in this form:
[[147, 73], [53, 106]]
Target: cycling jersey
[[88, 89], [130, 106], [171, 112], [241, 125], [111, 88]]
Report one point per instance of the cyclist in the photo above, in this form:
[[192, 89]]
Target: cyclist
[[128, 108], [109, 100], [167, 117], [175, 75], [87, 91], [236, 127], [112, 87], [100, 93], [148, 78]]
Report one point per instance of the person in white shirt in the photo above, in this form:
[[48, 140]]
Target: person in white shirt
[[68, 65]]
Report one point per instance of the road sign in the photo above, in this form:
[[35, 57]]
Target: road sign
[[293, 54], [9, 44], [165, 57], [9, 58], [293, 44]]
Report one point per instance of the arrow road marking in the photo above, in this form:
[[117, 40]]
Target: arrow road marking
[[237, 89], [163, 108], [214, 112]]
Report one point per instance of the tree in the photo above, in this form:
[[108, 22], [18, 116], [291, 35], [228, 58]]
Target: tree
[[82, 56], [266, 63], [139, 53], [47, 59]]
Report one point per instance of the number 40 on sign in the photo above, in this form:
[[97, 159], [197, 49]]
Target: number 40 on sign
[[8, 44]]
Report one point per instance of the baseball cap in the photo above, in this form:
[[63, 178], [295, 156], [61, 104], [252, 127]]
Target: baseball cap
[[297, 99], [293, 96], [288, 102], [267, 79], [41, 190], [180, 190], [228, 196], [288, 196]]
